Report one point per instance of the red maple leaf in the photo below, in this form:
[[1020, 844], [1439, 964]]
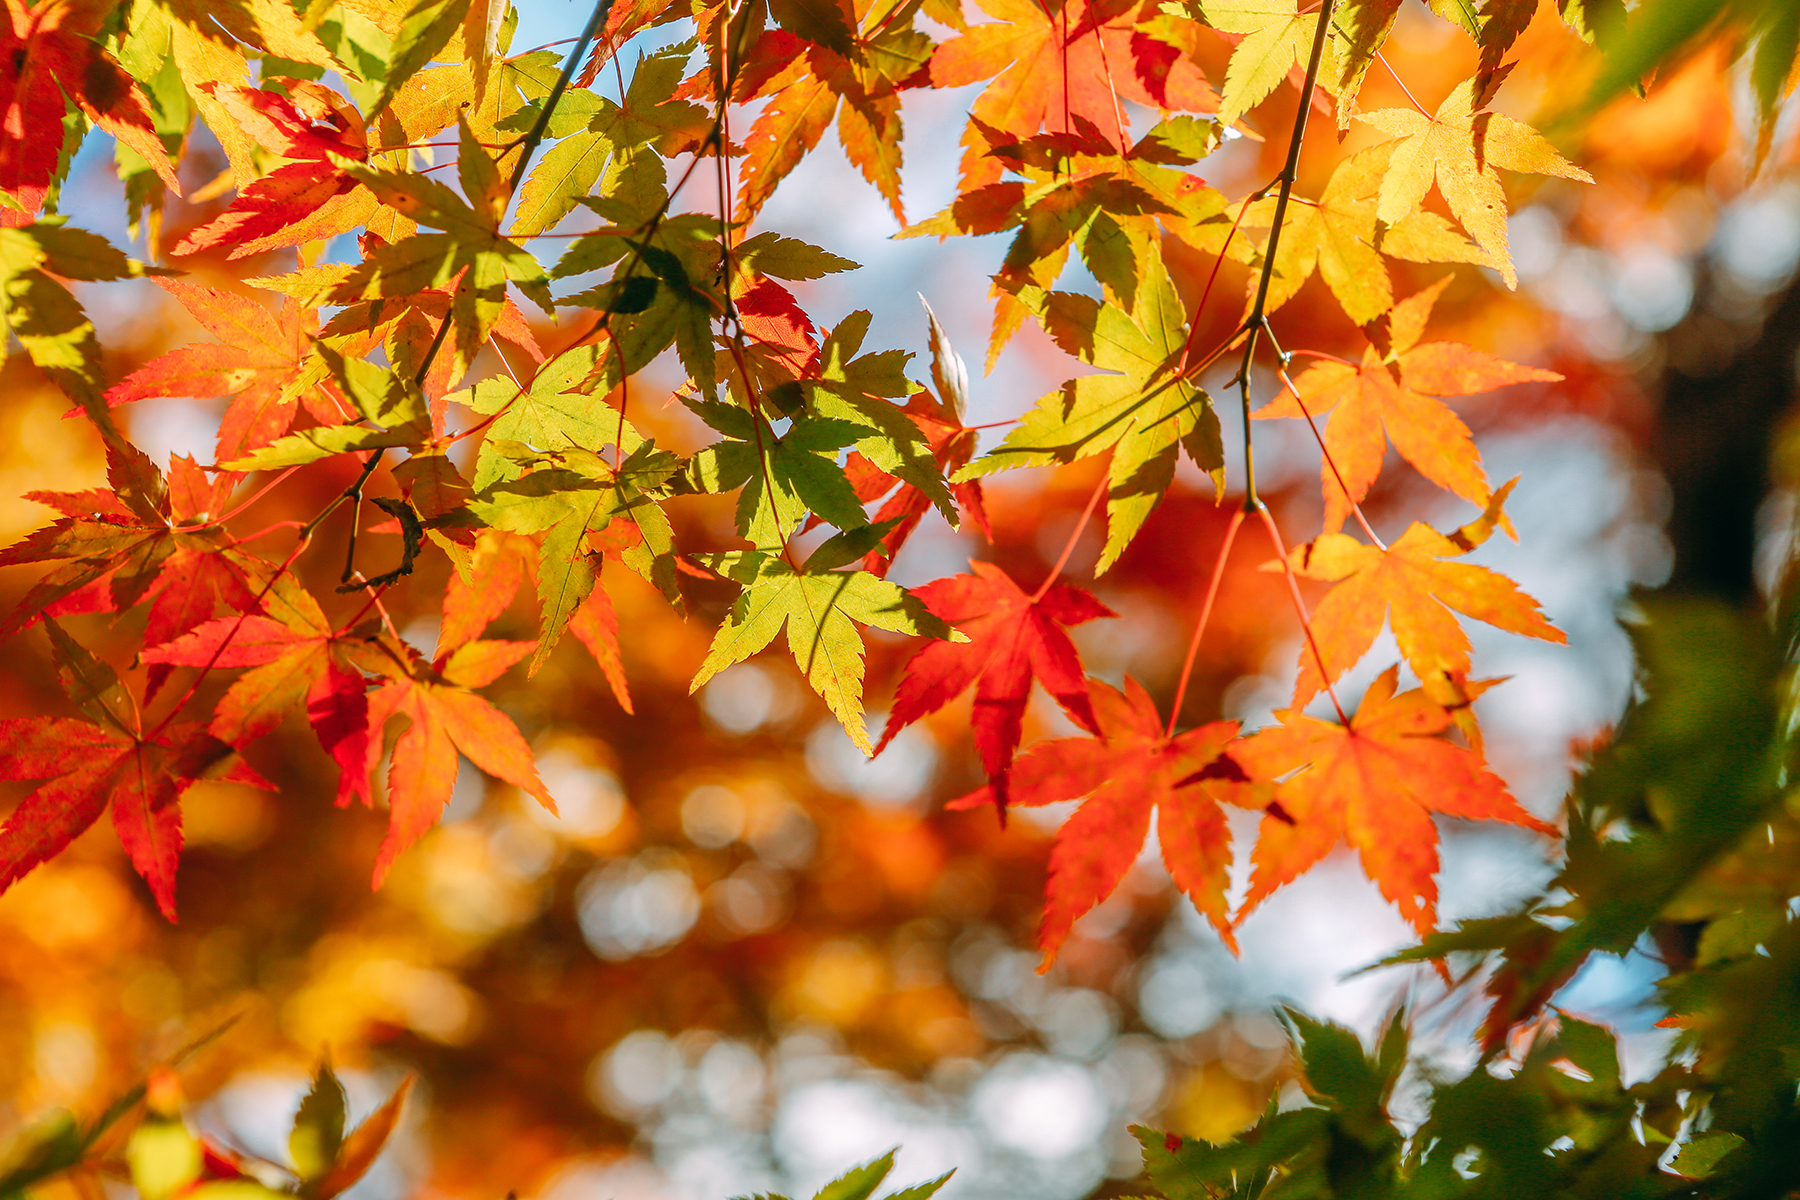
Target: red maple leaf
[[1395, 393], [108, 761], [139, 541], [1013, 639], [1373, 783], [1130, 769], [296, 659], [311, 197], [51, 51]]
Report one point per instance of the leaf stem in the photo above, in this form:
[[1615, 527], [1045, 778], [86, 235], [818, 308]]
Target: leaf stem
[[1426, 113], [1212, 592], [1325, 451], [1074, 536], [1258, 319], [1287, 570]]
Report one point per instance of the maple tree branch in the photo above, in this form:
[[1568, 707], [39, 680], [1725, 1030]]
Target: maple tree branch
[[530, 142], [1287, 569], [1074, 536], [1258, 319], [1206, 607]]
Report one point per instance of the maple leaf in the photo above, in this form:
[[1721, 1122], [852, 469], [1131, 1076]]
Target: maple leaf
[[262, 360], [107, 761], [470, 251], [1131, 768], [1013, 639], [600, 142], [1056, 66], [306, 123], [940, 419], [45, 316], [1360, 27], [1340, 236], [296, 659], [821, 607], [445, 719], [389, 402], [1373, 783], [1391, 399], [142, 540], [855, 388], [569, 496], [856, 78], [53, 56], [1277, 38], [1460, 149], [784, 476], [1142, 411], [1412, 586]]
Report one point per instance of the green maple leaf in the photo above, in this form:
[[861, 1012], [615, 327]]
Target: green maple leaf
[[470, 246], [783, 476], [602, 144], [562, 504], [1277, 38], [854, 388], [560, 408], [46, 318], [391, 403], [664, 293], [1142, 412], [821, 608]]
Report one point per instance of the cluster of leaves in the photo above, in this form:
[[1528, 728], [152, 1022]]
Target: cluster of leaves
[[1682, 840], [330, 366], [353, 360]]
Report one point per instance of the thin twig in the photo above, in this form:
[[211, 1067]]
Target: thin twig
[[1258, 317]]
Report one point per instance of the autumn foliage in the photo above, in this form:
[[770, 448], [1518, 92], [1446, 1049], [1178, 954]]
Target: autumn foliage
[[502, 341]]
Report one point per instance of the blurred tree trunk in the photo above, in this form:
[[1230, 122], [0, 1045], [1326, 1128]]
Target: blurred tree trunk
[[1723, 394]]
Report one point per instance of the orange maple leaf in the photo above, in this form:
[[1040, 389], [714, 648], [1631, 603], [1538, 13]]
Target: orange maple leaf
[[1413, 588], [262, 360], [1395, 394], [1373, 783], [445, 718], [1056, 66], [1130, 769]]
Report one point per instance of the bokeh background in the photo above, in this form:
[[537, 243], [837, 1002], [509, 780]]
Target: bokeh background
[[744, 958]]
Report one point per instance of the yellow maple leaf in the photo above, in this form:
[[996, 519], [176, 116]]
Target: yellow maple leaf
[[1461, 149]]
